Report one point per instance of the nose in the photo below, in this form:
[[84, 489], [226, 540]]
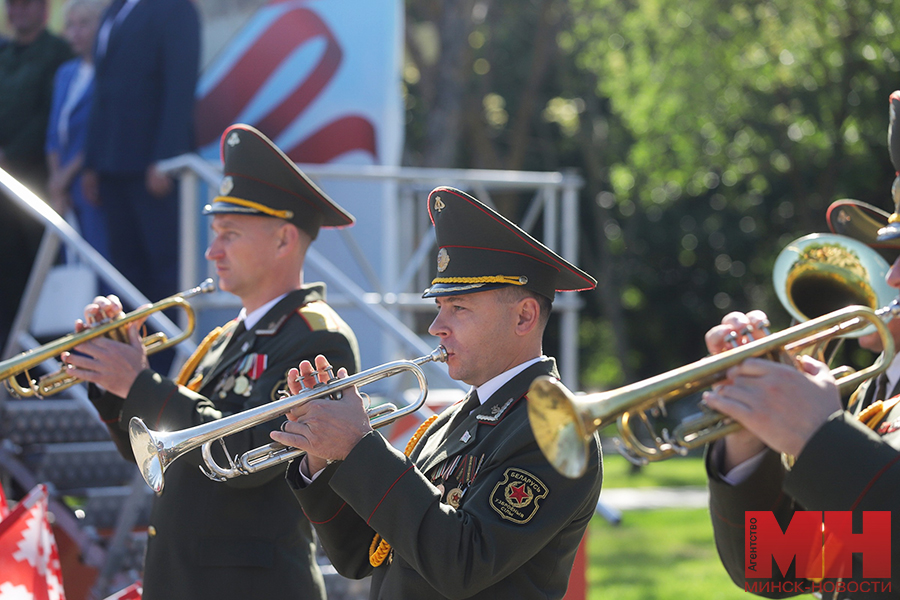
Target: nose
[[437, 327], [214, 251]]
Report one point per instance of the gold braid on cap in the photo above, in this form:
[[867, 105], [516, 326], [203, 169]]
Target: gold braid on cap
[[510, 279], [281, 214], [379, 549]]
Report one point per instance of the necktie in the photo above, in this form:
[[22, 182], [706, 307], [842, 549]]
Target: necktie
[[237, 333], [881, 391], [471, 403]]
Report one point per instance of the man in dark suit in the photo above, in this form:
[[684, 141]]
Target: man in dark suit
[[845, 457], [474, 510], [147, 60], [243, 538]]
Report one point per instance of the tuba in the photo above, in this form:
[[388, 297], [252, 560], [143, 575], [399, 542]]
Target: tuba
[[60, 380], [813, 276]]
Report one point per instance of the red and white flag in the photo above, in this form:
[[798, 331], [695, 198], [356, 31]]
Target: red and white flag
[[4, 508], [29, 560], [132, 592]]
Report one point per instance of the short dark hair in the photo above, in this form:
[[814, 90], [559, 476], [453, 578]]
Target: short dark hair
[[514, 293]]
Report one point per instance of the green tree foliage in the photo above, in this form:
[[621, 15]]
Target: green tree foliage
[[709, 135], [743, 122]]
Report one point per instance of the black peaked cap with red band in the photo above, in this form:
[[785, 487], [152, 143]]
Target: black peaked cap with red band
[[259, 179], [480, 250]]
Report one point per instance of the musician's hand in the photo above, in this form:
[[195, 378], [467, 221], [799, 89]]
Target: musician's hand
[[782, 406], [112, 365], [743, 325], [326, 429], [741, 445], [103, 308]]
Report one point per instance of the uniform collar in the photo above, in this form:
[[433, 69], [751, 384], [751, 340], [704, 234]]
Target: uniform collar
[[487, 389], [251, 319]]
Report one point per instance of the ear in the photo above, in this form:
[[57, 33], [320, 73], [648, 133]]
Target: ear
[[528, 314], [286, 237]]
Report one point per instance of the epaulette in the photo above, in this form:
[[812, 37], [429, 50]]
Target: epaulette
[[319, 316]]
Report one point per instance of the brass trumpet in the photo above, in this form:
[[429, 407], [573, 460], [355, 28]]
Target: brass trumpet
[[56, 382], [564, 423], [154, 451]]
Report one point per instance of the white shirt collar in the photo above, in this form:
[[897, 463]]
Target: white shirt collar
[[893, 374], [250, 320], [488, 388]]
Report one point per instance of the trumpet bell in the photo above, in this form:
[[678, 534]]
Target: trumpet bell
[[557, 426], [147, 454], [820, 273]]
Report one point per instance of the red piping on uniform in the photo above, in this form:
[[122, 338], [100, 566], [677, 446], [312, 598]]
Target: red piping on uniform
[[874, 479], [163, 407], [386, 493], [329, 519], [528, 256]]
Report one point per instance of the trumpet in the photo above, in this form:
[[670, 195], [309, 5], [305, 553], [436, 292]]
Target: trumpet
[[56, 382], [564, 423], [154, 451]]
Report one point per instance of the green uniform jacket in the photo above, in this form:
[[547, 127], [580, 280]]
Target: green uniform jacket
[[844, 466], [243, 538], [513, 535]]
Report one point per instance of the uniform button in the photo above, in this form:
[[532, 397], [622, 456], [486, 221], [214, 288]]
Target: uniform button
[[151, 531]]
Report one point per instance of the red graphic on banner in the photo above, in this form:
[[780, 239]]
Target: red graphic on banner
[[29, 560], [4, 509], [822, 547], [221, 106], [132, 592]]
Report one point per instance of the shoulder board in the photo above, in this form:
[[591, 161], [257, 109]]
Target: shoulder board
[[320, 317]]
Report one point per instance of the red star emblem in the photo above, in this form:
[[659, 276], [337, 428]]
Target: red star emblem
[[518, 495]]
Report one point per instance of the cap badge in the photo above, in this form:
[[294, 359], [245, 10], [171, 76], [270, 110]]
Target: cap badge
[[234, 139], [438, 204], [443, 260], [226, 186]]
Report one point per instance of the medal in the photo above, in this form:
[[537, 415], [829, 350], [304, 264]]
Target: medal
[[454, 497], [241, 384], [229, 384]]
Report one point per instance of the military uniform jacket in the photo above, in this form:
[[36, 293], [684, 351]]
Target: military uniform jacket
[[513, 535], [244, 538], [844, 466]]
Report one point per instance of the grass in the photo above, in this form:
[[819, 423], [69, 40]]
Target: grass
[[665, 554], [676, 472]]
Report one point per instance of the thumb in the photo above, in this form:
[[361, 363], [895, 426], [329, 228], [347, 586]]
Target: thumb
[[134, 337], [812, 366]]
